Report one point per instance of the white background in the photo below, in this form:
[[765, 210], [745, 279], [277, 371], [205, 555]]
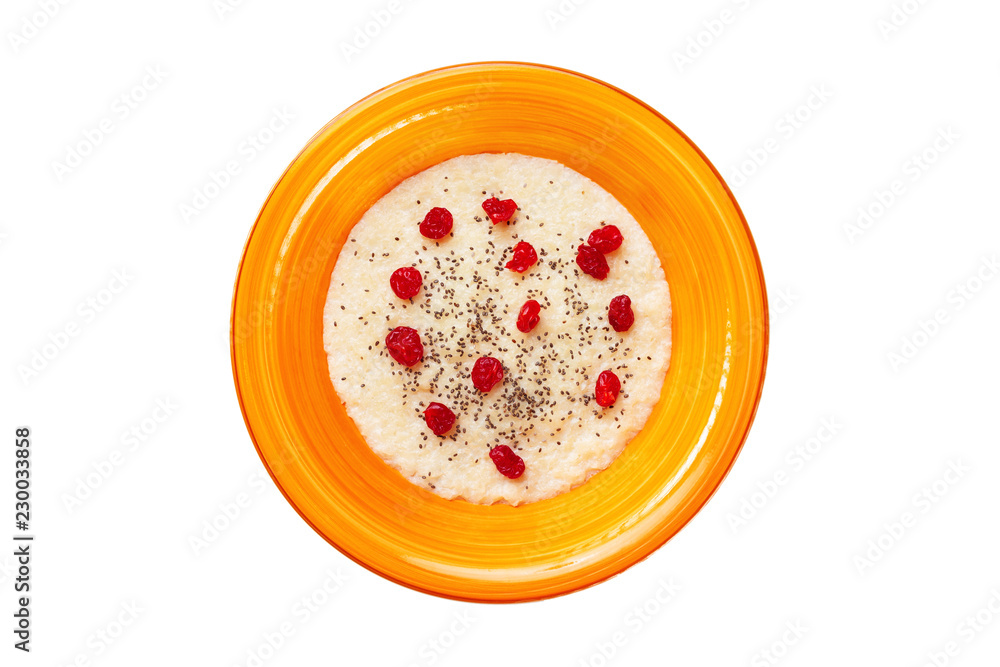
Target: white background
[[844, 300]]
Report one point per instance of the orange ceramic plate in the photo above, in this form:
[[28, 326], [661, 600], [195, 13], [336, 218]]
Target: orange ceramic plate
[[665, 475]]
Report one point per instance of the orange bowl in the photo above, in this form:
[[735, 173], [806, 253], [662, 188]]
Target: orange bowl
[[499, 553]]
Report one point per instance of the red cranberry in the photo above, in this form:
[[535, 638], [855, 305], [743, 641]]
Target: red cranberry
[[608, 387], [404, 345], [507, 462], [620, 314], [605, 239], [592, 262], [406, 282], [486, 372], [528, 318], [499, 210], [437, 223], [524, 257], [439, 418]]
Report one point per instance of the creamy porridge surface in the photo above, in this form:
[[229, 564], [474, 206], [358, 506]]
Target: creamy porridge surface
[[544, 409]]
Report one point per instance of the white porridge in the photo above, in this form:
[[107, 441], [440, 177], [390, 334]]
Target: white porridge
[[548, 408]]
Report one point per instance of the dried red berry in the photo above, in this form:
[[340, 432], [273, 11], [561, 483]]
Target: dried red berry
[[406, 282], [499, 210], [528, 318], [608, 387], [437, 223], [404, 345], [524, 257], [592, 262], [439, 418], [507, 462], [605, 239], [620, 313], [486, 372]]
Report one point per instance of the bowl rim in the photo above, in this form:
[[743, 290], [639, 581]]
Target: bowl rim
[[741, 436]]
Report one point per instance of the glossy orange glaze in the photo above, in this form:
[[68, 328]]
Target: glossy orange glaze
[[665, 475]]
